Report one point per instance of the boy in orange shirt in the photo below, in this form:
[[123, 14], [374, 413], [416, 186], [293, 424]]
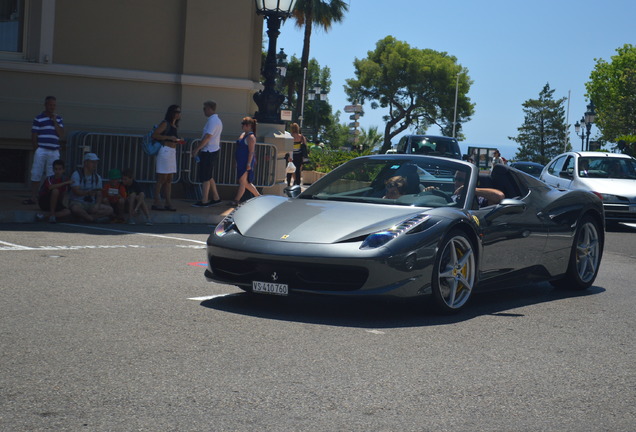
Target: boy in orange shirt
[[114, 193]]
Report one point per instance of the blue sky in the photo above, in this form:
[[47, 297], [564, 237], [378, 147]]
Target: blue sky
[[511, 49]]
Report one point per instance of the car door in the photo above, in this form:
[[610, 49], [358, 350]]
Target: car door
[[513, 238], [560, 172]]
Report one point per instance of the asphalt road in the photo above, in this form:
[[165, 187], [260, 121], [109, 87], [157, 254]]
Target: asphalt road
[[104, 328]]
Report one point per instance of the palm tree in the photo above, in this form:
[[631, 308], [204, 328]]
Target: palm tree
[[323, 13]]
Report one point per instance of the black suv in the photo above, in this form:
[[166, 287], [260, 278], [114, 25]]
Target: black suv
[[429, 145]]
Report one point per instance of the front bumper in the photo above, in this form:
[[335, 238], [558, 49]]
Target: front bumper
[[339, 270]]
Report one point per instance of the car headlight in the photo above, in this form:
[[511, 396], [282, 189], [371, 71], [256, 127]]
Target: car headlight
[[610, 197], [225, 226], [380, 238]]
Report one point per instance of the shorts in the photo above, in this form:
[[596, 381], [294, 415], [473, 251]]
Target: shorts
[[86, 205], [167, 160], [207, 165], [43, 162], [44, 201]]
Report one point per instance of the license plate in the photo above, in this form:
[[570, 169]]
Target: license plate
[[270, 288]]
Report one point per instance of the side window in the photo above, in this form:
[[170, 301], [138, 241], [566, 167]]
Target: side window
[[569, 165], [12, 26], [401, 147], [556, 166]]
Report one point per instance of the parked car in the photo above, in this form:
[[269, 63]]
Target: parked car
[[429, 145], [611, 176], [532, 168], [346, 235]]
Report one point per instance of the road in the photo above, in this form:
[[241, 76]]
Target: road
[[113, 328]]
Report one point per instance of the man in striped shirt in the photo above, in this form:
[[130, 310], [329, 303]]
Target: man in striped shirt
[[46, 132]]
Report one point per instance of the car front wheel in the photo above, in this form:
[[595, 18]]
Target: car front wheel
[[454, 273]]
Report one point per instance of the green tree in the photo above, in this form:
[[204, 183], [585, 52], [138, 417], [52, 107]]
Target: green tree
[[370, 138], [612, 87], [542, 135], [416, 85], [317, 114], [322, 13]]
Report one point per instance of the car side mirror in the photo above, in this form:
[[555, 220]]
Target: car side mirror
[[505, 207], [292, 191]]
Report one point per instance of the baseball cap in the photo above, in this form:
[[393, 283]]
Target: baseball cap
[[91, 157]]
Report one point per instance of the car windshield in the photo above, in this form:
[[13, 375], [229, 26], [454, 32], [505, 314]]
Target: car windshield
[[607, 167], [395, 180], [437, 146]]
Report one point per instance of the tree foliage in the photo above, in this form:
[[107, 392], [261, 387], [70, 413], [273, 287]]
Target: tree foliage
[[542, 135], [612, 87], [416, 85], [322, 13]]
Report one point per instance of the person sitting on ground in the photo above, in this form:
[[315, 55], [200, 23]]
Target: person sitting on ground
[[114, 193], [135, 198], [395, 187], [51, 196], [485, 196], [85, 199]]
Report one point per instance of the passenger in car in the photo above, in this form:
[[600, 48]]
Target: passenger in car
[[485, 196], [584, 166], [395, 187]]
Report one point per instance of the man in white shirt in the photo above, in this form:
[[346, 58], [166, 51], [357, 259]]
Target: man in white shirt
[[208, 153]]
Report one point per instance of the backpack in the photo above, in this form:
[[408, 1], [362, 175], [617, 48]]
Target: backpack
[[150, 146]]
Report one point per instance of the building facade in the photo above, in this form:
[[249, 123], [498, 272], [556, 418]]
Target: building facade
[[116, 66]]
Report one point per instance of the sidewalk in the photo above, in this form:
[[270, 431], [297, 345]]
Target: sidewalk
[[13, 211]]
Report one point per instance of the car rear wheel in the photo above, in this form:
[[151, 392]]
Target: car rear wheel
[[585, 256], [454, 272]]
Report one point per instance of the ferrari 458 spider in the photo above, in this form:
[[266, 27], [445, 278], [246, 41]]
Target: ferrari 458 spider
[[410, 225]]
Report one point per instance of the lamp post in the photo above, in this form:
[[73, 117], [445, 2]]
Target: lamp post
[[577, 129], [269, 99], [590, 117], [316, 94], [455, 110], [587, 120]]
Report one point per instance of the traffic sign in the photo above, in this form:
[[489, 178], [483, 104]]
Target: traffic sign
[[354, 116], [354, 124], [353, 108]]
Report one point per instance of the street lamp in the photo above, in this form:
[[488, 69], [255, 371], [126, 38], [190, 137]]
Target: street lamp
[[281, 63], [577, 129], [316, 94], [587, 120], [269, 100], [590, 117]]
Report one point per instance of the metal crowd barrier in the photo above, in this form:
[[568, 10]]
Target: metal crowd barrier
[[125, 151]]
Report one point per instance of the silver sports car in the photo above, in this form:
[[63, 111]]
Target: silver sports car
[[410, 225]]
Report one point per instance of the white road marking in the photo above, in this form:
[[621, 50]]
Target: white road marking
[[13, 246], [211, 297], [375, 332], [135, 232]]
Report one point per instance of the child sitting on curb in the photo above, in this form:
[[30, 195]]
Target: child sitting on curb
[[135, 199]]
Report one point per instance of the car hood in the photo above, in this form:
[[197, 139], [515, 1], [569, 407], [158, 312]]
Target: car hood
[[621, 187], [311, 221]]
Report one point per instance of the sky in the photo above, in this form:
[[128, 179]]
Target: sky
[[511, 48]]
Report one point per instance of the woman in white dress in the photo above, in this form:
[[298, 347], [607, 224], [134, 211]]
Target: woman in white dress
[[166, 167]]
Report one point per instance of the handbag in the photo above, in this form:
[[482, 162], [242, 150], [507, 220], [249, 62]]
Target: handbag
[[291, 168]]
